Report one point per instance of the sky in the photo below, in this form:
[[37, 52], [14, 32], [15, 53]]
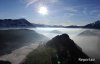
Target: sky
[[60, 12]]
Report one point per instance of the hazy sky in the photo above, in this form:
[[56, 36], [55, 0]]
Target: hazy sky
[[64, 12]]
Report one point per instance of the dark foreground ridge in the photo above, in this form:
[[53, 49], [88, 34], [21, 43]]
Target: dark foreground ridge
[[67, 51], [59, 50], [4, 62]]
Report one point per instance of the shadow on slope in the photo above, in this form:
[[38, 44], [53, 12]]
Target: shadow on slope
[[13, 39]]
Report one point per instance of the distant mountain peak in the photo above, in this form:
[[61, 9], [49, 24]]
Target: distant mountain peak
[[97, 22], [95, 25], [14, 23]]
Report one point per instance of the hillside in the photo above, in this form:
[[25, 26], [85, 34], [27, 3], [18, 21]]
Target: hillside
[[14, 39]]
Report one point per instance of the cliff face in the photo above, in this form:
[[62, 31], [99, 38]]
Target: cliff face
[[67, 51]]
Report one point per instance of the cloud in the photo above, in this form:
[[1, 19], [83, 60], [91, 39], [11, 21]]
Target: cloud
[[98, 16], [71, 10], [85, 11], [95, 12], [30, 2], [92, 13], [68, 15]]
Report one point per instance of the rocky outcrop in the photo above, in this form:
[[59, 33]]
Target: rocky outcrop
[[67, 51], [59, 50]]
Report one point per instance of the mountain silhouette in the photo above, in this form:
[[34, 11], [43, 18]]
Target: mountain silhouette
[[14, 23], [67, 51], [95, 25]]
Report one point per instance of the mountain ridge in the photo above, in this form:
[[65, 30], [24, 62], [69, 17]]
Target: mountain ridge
[[95, 25], [14, 23], [23, 23]]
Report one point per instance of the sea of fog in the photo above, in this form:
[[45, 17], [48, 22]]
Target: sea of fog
[[51, 32], [87, 39]]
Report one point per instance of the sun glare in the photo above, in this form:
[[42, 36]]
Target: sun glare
[[43, 10]]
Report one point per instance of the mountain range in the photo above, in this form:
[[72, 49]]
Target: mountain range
[[23, 23], [95, 25], [9, 23]]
